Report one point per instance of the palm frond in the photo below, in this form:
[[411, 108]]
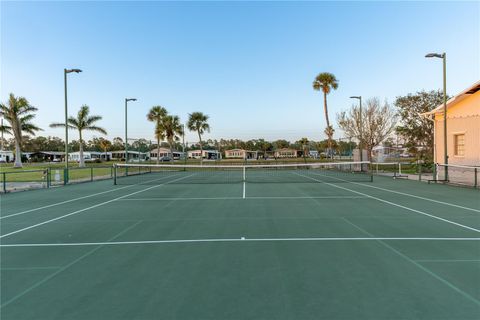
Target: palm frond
[[90, 120], [95, 128]]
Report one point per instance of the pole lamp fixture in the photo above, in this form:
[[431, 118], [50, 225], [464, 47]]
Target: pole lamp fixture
[[361, 126], [126, 136], [65, 72], [443, 56]]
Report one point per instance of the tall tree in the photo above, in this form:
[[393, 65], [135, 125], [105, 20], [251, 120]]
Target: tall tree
[[414, 128], [198, 122], [19, 113], [157, 114], [83, 122], [118, 144], [173, 130], [105, 145], [304, 144], [372, 127], [326, 82]]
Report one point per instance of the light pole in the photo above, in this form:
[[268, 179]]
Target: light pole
[[361, 126], [445, 153], [65, 72], [126, 136]]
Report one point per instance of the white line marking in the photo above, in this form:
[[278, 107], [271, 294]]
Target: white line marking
[[181, 199], [394, 204], [71, 200], [88, 208], [409, 195], [418, 265], [60, 203], [116, 243], [63, 268], [243, 189], [238, 198], [418, 197]]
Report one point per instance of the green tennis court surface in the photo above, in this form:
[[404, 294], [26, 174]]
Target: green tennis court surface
[[313, 249]]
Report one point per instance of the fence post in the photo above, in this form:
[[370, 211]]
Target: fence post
[[65, 176], [371, 172], [476, 178], [91, 173], [48, 177], [114, 174], [419, 172], [4, 182]]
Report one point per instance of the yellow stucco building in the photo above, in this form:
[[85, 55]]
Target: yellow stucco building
[[463, 128]]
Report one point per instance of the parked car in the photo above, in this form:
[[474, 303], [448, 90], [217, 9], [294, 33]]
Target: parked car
[[165, 159]]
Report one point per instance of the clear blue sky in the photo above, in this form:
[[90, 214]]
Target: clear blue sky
[[248, 65]]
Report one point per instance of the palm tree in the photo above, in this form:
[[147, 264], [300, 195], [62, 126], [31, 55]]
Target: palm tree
[[18, 113], [83, 122], [157, 114], [325, 82], [197, 121], [172, 129]]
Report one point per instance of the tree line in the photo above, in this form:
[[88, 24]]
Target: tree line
[[41, 143]]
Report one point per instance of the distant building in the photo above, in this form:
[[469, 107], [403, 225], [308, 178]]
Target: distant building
[[134, 156], [463, 128], [163, 153], [313, 154], [50, 156], [207, 154], [6, 156], [286, 153], [240, 154], [90, 156]]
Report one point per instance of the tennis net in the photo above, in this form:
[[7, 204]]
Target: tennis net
[[282, 173], [458, 174]]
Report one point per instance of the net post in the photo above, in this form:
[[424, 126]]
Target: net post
[[91, 173], [4, 182], [114, 174]]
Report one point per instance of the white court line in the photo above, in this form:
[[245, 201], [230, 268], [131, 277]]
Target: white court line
[[393, 203], [116, 243], [248, 198], [418, 197], [88, 208], [60, 203], [181, 199], [406, 194], [71, 200], [310, 197], [243, 189]]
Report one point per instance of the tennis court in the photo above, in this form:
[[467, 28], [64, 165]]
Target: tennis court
[[303, 242]]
